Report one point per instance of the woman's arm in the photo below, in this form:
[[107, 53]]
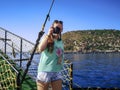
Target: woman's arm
[[44, 42]]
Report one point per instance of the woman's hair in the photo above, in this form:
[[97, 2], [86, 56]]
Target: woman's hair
[[50, 44], [57, 21]]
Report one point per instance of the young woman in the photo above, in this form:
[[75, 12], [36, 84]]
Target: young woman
[[51, 61]]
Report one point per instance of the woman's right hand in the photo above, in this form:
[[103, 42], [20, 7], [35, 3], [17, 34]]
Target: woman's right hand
[[50, 31]]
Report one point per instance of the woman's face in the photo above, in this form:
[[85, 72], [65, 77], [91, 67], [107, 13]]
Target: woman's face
[[58, 25]]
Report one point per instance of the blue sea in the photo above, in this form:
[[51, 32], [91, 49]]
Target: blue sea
[[96, 70]]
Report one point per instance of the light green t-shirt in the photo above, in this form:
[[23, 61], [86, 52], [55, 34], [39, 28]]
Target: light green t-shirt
[[52, 62]]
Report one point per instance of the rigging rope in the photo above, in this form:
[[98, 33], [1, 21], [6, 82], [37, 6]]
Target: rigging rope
[[7, 76]]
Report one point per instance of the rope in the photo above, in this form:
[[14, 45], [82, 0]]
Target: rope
[[7, 76], [67, 78]]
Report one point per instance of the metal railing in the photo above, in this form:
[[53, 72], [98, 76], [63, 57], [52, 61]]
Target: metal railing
[[19, 50]]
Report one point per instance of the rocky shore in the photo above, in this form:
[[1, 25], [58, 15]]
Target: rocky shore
[[92, 41]]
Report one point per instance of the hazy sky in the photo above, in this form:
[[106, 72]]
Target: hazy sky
[[25, 17]]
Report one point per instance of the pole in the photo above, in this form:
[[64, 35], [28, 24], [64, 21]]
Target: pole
[[37, 42]]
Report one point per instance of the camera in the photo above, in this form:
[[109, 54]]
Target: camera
[[56, 30]]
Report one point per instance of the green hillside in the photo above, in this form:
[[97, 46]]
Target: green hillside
[[92, 40]]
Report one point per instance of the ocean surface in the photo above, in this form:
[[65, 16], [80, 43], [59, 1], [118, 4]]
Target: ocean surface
[[96, 70], [101, 70]]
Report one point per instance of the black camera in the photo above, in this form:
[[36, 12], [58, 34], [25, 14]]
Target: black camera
[[56, 30]]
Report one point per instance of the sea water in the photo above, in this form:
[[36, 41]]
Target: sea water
[[93, 70], [96, 70]]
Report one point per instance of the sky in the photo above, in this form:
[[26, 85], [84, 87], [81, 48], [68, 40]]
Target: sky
[[26, 17]]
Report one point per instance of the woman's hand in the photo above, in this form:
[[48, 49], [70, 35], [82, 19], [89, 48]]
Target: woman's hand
[[50, 32]]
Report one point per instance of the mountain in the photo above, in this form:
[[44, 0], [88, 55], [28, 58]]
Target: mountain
[[106, 40]]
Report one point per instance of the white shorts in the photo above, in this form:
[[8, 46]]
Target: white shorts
[[47, 77]]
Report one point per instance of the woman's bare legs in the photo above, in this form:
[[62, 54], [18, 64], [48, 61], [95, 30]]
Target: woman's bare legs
[[42, 86], [56, 85]]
